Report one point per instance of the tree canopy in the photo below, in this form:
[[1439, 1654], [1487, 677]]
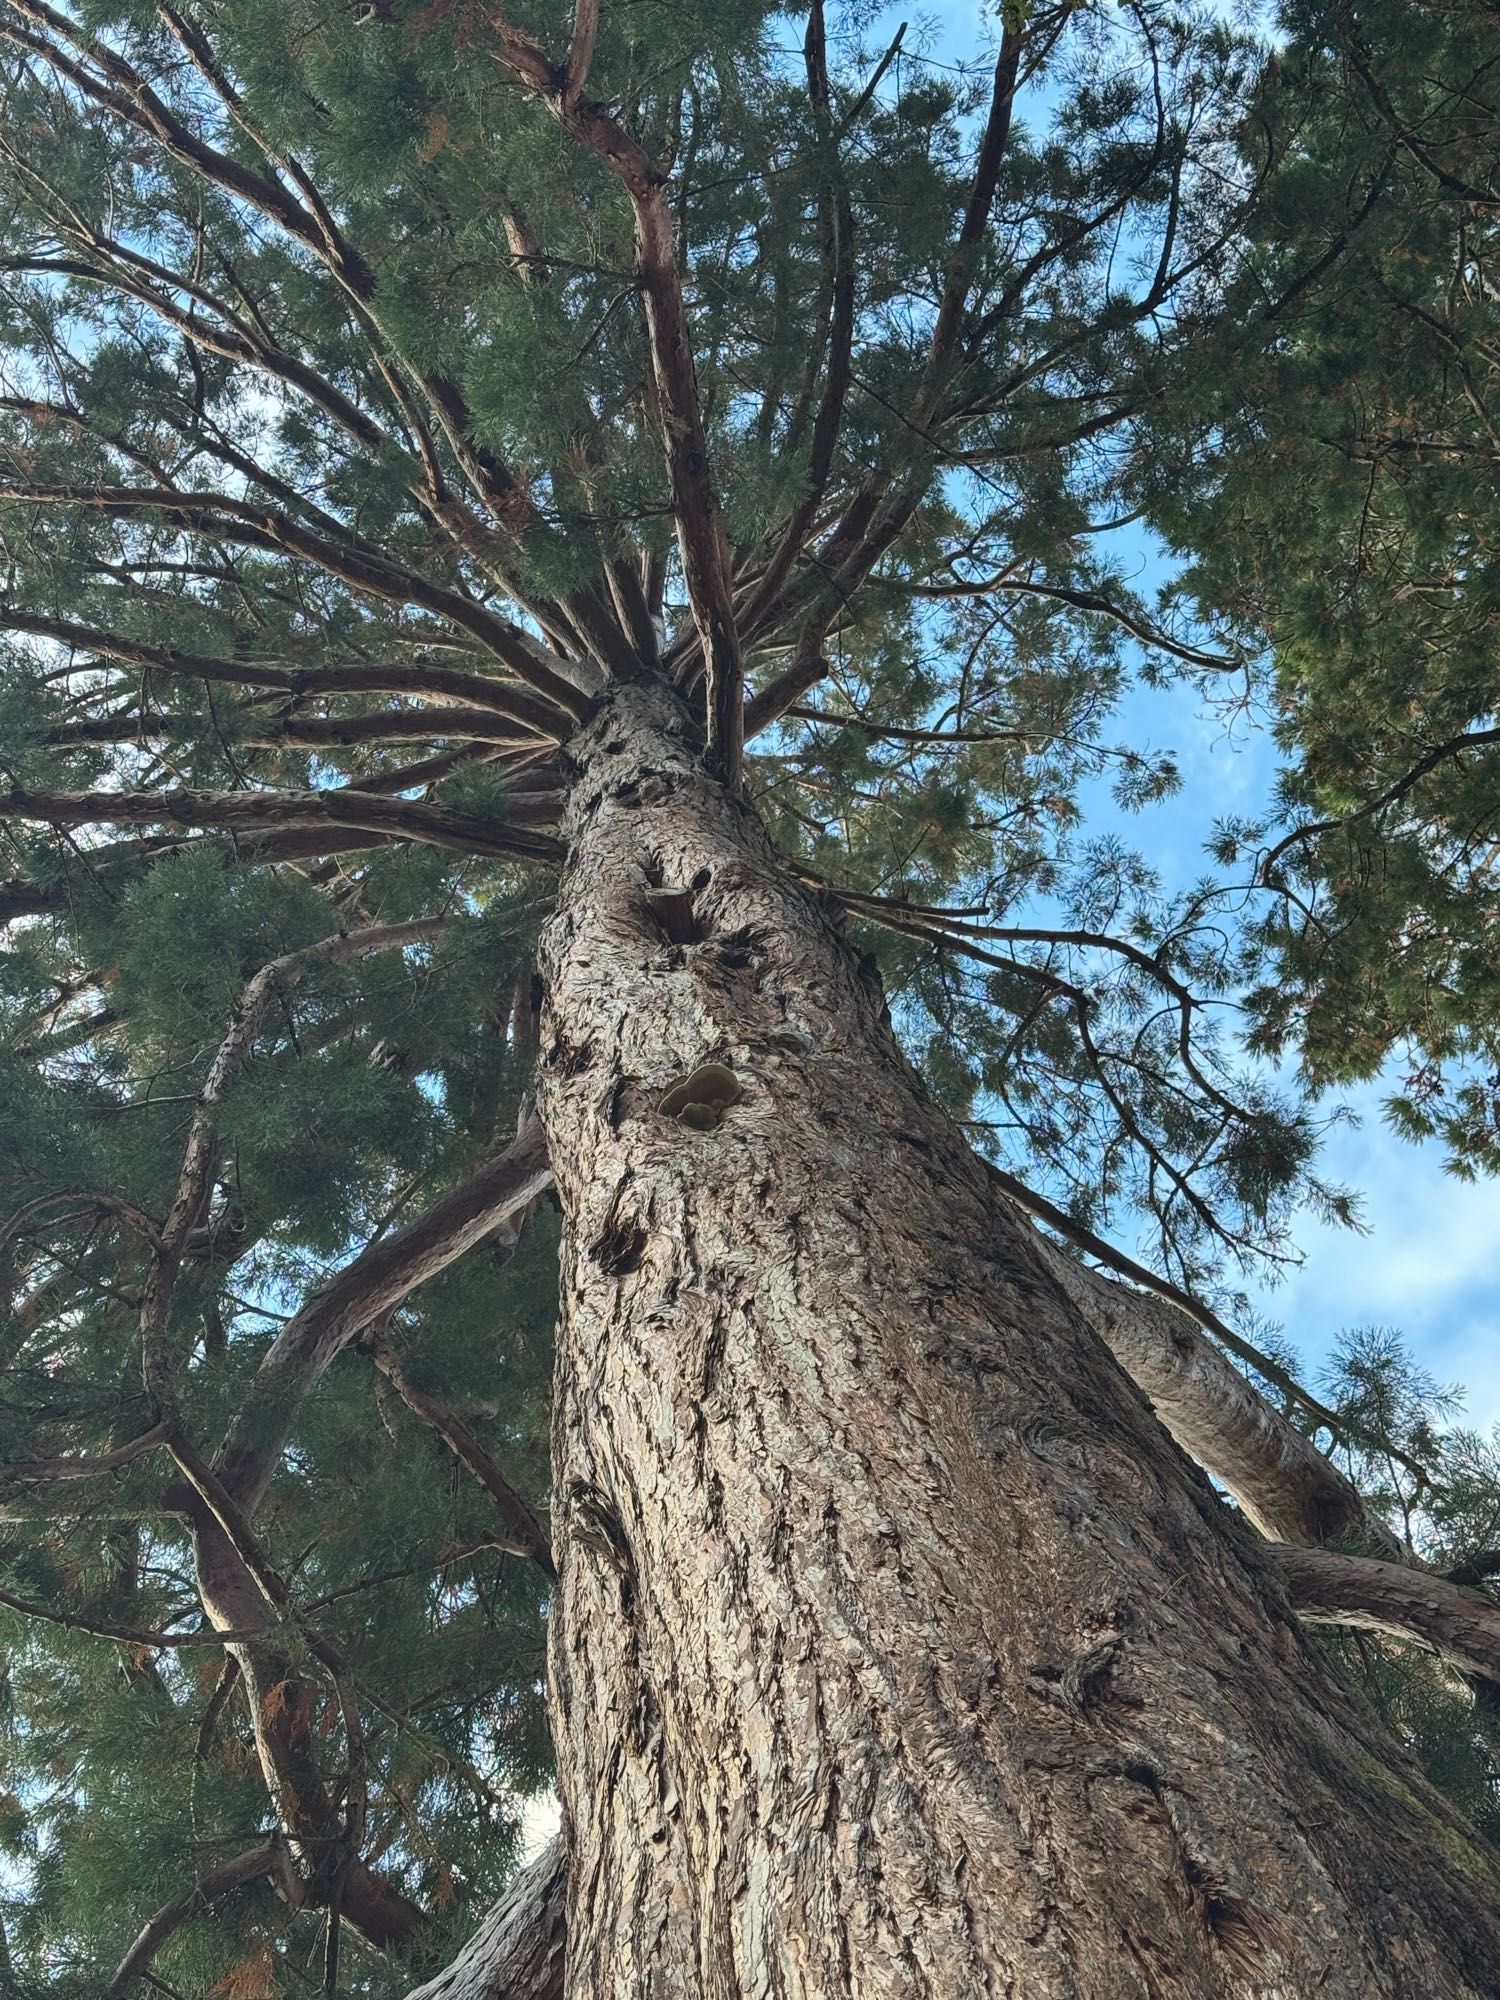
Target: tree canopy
[[376, 380], [1371, 400]]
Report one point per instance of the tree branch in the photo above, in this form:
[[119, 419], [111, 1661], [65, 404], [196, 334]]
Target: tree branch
[[420, 678], [102, 74], [270, 811], [525, 1537], [780, 696], [375, 1283], [519, 1951], [1204, 1316], [124, 1634], [962, 259], [839, 278], [1279, 1479], [1082, 600], [223, 517], [1460, 1627], [199, 1151], [1439, 754], [236, 1874], [304, 732], [700, 532], [43, 1471]]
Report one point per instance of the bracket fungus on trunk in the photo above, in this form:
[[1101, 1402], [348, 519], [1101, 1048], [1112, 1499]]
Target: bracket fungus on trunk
[[700, 1100]]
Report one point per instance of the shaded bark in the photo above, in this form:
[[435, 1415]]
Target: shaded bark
[[897, 1650]]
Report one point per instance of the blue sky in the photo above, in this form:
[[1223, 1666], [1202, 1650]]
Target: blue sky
[[1430, 1263]]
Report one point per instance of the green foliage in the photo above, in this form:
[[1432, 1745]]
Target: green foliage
[[1451, 1521], [376, 1083], [1345, 505]]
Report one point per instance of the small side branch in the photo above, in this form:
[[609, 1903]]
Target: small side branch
[[236, 1874], [524, 1536], [199, 1151], [124, 1634]]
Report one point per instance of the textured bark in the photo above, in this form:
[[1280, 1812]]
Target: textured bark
[[1113, 1260], [518, 1951], [897, 1650]]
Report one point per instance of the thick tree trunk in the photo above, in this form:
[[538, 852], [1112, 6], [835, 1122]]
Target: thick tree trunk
[[897, 1650]]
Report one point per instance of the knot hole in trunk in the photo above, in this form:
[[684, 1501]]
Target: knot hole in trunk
[[675, 912], [598, 1530]]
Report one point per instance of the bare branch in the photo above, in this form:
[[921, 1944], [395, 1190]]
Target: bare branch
[[525, 1536], [236, 1874], [861, 103], [1461, 1627]]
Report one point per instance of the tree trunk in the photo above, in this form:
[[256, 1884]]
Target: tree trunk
[[897, 1650]]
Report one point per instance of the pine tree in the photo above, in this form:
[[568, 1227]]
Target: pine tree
[[560, 626]]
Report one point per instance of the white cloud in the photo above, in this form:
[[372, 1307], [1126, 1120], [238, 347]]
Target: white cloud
[[1430, 1264]]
